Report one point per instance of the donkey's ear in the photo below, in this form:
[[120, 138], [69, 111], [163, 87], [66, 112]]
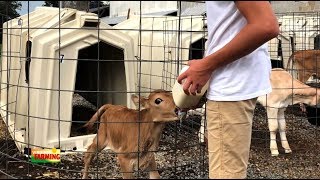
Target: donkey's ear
[[143, 101]]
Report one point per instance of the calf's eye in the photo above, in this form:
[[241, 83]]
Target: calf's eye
[[158, 101]]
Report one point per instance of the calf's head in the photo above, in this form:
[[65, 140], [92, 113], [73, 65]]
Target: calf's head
[[159, 104]]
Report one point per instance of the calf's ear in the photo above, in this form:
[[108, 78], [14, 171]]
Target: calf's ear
[[142, 101]]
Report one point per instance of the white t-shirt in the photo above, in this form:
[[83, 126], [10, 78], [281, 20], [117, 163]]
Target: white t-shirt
[[245, 78]]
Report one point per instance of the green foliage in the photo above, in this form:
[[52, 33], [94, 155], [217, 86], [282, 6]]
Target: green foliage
[[8, 10], [51, 3]]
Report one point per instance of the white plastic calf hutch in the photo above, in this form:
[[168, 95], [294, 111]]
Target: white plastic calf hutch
[[33, 103], [159, 46]]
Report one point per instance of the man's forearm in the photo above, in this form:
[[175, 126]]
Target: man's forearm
[[245, 42]]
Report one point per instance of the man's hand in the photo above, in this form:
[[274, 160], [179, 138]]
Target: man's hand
[[196, 76]]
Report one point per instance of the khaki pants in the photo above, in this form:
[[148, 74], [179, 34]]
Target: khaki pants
[[229, 137]]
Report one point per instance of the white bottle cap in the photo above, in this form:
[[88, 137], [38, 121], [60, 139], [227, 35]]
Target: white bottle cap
[[181, 99]]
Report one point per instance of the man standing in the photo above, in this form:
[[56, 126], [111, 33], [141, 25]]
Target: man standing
[[237, 66]]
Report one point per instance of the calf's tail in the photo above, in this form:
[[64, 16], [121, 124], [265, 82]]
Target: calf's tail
[[95, 117]]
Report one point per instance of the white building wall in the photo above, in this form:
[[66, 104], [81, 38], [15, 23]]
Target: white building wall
[[120, 8], [295, 6]]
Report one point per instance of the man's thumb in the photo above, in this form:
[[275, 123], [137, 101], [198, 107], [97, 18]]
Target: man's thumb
[[190, 62], [181, 77]]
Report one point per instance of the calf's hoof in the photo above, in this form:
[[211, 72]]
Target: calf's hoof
[[85, 175], [287, 151], [274, 152]]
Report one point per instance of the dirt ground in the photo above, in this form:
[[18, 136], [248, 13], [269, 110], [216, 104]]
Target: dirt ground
[[180, 156]]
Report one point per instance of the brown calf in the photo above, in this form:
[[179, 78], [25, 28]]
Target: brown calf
[[307, 63], [128, 131]]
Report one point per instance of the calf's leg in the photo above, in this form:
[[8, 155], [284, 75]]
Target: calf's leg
[[201, 132], [92, 149], [282, 130], [126, 166], [273, 128], [154, 174]]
